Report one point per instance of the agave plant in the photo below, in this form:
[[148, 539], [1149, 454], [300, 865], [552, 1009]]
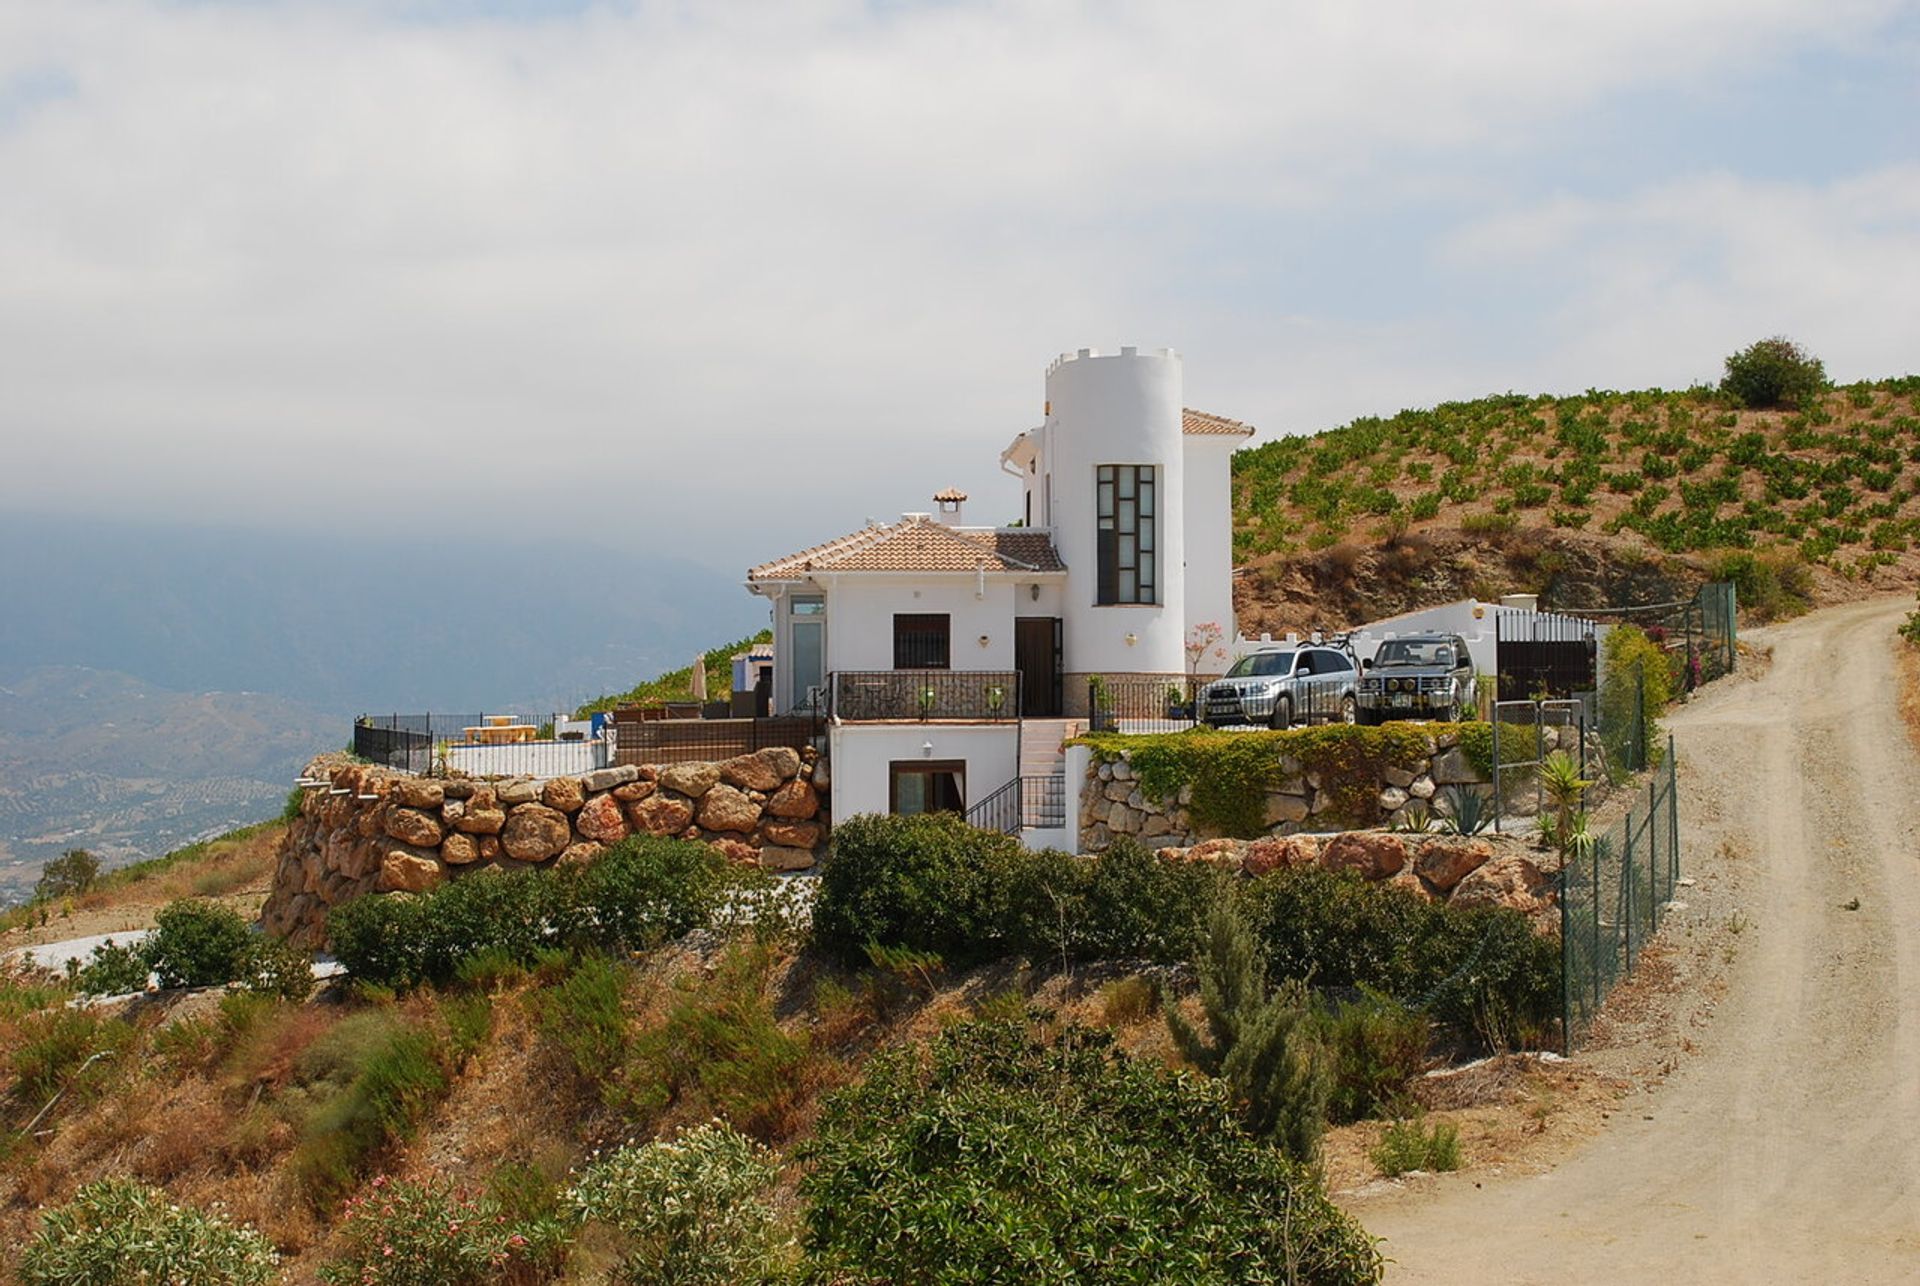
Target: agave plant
[[1467, 810]]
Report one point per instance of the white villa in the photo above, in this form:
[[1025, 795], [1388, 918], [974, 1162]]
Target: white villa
[[951, 661]]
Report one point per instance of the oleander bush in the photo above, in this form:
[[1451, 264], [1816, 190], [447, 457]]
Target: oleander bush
[[118, 1230], [689, 1211], [436, 1233], [992, 1155]]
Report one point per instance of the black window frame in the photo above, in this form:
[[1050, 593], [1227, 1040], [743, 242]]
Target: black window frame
[[922, 641], [1126, 534]]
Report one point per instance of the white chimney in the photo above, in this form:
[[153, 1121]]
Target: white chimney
[[950, 504]]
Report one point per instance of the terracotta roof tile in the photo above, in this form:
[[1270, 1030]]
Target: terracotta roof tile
[[919, 544], [953, 494], [1192, 421]]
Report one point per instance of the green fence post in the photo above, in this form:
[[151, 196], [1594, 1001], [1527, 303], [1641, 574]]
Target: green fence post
[[1626, 890], [1566, 965], [1673, 817], [1593, 913]]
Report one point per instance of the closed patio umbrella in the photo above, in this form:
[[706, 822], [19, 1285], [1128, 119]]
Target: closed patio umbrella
[[699, 678]]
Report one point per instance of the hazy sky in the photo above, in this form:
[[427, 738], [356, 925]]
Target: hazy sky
[[729, 278]]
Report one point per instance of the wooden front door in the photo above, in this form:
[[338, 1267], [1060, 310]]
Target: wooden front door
[[1036, 654]]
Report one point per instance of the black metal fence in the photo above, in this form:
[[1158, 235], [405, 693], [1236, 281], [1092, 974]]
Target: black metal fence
[[1023, 803], [1614, 891], [925, 695], [1700, 634]]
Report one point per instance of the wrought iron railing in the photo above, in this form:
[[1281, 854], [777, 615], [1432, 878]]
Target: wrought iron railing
[[1025, 803], [925, 695]]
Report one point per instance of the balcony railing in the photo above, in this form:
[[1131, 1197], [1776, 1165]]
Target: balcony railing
[[923, 696]]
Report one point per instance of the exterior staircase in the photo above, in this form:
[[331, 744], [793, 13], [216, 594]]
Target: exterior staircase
[[1043, 769]]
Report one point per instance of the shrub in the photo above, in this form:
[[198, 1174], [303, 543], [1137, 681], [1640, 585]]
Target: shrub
[[1636, 680], [641, 892], [1773, 372], [1409, 1145], [276, 967], [111, 970], [721, 1047], [66, 1049], [690, 1212], [198, 944], [395, 1083], [1474, 969], [1377, 1046], [584, 1017], [931, 882], [68, 875], [1263, 1044], [1772, 587], [990, 1156], [1128, 1001], [117, 1230], [437, 1234]]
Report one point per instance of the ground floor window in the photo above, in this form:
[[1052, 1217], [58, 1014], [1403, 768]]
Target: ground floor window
[[926, 786]]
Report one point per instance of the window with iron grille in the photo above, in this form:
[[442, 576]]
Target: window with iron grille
[[922, 641], [1127, 550]]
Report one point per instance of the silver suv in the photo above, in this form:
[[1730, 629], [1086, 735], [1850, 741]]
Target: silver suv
[[1284, 686]]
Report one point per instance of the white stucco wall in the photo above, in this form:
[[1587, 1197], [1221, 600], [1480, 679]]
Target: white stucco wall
[[862, 752], [1117, 409], [1209, 541], [861, 608]]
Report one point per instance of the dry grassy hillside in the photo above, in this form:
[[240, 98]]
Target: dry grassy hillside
[[1600, 497]]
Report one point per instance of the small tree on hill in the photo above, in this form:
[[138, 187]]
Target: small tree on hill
[[68, 875], [1773, 372], [1263, 1044]]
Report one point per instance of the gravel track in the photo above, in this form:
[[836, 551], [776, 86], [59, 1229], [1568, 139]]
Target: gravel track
[[1788, 1148]]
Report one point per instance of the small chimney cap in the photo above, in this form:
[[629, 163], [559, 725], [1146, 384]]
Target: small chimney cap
[[950, 496]]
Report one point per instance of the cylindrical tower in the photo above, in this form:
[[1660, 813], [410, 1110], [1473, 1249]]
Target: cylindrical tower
[[1113, 447]]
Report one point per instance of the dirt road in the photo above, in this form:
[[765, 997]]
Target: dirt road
[[1788, 1150]]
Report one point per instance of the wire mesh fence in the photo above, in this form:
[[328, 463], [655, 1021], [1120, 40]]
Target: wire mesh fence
[[1614, 891]]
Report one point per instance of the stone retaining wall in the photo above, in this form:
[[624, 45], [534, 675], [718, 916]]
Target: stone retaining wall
[[1112, 801], [380, 831], [1482, 870]]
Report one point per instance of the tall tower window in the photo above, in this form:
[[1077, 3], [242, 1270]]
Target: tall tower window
[[1126, 534]]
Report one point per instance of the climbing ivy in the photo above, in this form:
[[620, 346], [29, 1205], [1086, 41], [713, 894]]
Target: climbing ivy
[[1232, 773]]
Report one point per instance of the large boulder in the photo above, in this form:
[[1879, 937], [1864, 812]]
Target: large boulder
[[608, 778], [1375, 854], [691, 780], [535, 833], [737, 851], [763, 770], [585, 853], [1280, 853], [521, 790], [776, 858], [564, 793], [1510, 881], [661, 815], [414, 826], [791, 834], [724, 808], [601, 819], [405, 870], [634, 791], [1285, 808], [419, 792], [460, 849], [480, 821], [1443, 863], [1451, 767], [796, 801]]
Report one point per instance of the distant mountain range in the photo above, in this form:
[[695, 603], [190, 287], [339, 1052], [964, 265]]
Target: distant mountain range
[[158, 683]]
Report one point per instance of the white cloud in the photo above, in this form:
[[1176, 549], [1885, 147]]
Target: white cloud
[[307, 260], [1668, 279]]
